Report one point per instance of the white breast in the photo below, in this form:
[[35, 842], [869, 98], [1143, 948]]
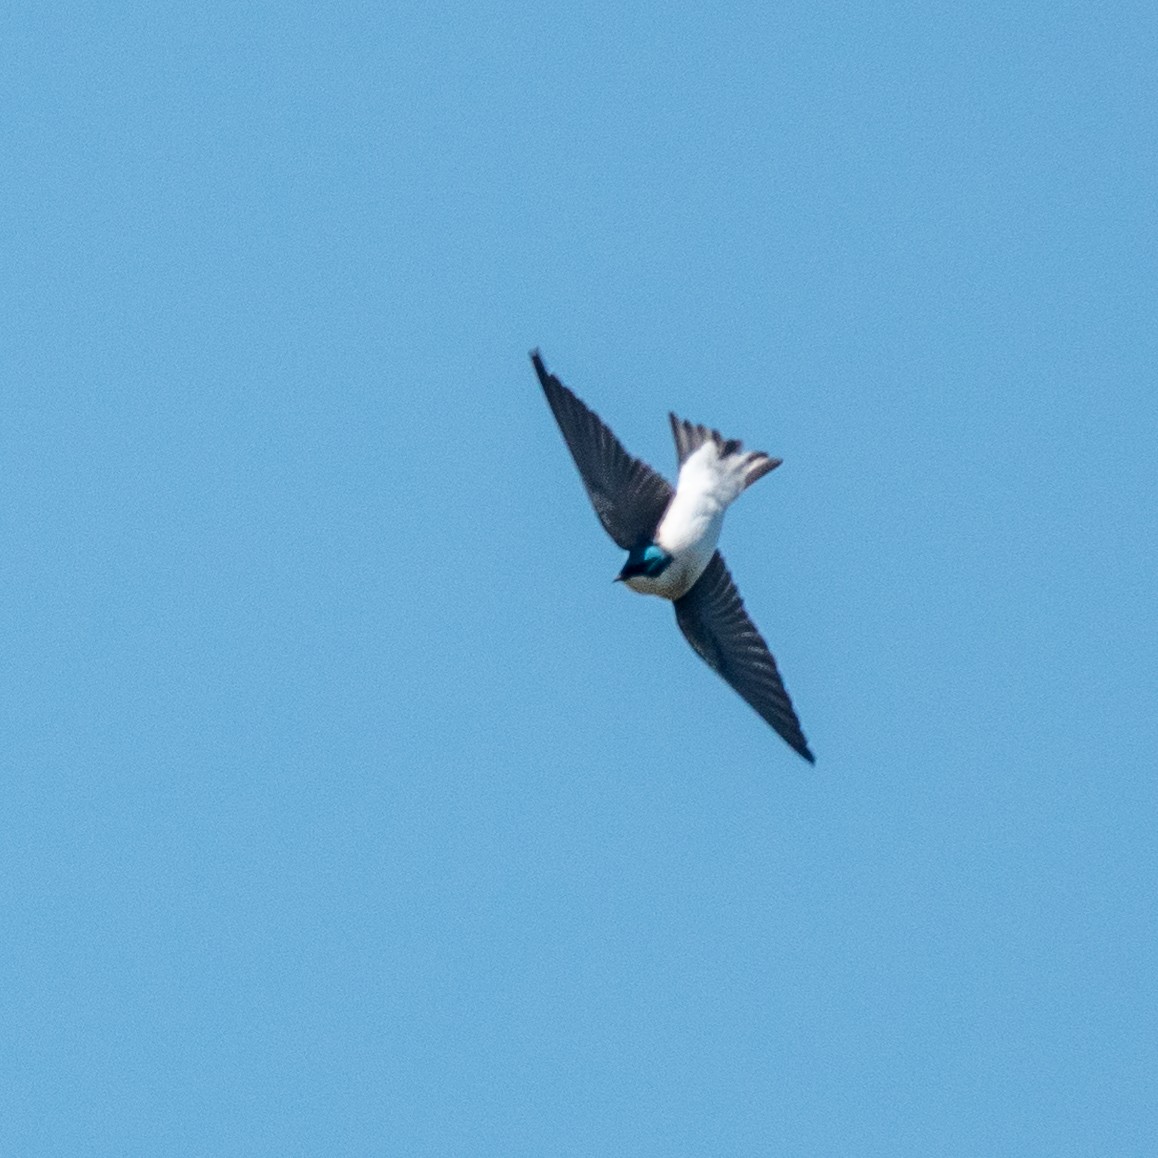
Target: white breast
[[691, 527]]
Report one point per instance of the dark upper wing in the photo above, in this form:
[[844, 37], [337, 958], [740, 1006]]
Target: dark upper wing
[[713, 618], [628, 496]]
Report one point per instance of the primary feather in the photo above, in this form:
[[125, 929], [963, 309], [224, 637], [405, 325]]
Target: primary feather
[[628, 496]]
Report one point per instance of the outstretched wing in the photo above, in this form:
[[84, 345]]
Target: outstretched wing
[[713, 618], [628, 496]]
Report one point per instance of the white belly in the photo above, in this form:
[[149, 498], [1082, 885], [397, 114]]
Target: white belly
[[690, 528], [691, 546]]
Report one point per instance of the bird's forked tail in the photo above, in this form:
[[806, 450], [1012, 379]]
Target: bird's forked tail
[[745, 466]]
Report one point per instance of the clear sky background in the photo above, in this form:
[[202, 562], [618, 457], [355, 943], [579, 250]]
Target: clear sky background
[[347, 806]]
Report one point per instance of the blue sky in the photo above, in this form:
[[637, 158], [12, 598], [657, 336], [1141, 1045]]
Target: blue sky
[[349, 808]]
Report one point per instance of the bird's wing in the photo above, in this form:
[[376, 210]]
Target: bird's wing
[[629, 497], [713, 618]]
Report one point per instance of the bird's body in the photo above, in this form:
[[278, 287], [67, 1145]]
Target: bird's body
[[671, 538], [709, 481]]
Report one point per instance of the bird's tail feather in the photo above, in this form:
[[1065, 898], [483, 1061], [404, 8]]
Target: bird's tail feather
[[747, 466]]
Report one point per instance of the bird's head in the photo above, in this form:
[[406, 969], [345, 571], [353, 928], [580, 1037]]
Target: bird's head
[[647, 559]]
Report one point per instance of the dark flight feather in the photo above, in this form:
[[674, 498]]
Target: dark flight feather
[[712, 617], [628, 496]]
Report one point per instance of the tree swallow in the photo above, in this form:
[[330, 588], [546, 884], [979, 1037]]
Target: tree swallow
[[670, 538]]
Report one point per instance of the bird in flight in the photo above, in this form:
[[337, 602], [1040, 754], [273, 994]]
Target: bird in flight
[[670, 538]]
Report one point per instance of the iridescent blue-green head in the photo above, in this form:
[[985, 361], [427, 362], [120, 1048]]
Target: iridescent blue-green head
[[647, 559]]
